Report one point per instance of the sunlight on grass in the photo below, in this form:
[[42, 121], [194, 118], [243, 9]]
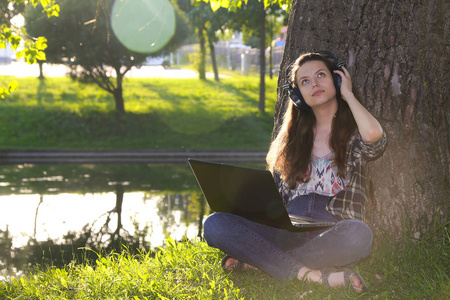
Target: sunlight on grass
[[191, 270], [57, 113]]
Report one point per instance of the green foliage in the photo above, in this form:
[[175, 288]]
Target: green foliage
[[57, 113], [236, 4], [12, 35], [49, 6], [12, 86], [33, 51], [8, 36], [246, 20]]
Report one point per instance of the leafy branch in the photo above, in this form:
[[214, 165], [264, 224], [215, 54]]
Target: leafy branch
[[33, 47], [236, 4]]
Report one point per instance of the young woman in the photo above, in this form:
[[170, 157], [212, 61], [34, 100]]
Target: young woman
[[318, 161]]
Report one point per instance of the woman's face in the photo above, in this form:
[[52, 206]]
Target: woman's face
[[315, 82]]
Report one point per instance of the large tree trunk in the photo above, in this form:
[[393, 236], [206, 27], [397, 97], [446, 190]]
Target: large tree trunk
[[398, 56], [262, 56]]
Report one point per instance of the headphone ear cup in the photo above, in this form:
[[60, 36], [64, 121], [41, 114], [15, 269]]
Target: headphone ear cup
[[337, 84], [337, 79], [297, 98]]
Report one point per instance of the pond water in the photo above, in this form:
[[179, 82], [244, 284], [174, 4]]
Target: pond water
[[50, 214]]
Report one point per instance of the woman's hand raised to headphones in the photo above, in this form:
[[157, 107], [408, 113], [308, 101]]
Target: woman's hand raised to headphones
[[346, 83], [369, 127]]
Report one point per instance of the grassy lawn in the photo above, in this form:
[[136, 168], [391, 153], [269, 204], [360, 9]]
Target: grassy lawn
[[191, 270], [176, 114]]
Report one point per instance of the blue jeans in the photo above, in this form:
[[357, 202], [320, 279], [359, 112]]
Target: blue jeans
[[282, 253]]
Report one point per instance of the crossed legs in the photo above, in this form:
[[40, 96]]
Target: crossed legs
[[286, 255]]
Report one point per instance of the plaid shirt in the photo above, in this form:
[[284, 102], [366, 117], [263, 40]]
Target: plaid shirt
[[350, 202]]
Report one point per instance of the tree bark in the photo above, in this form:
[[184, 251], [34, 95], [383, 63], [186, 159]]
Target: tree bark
[[262, 56], [271, 25], [118, 93], [212, 52], [41, 69], [202, 63], [397, 53]]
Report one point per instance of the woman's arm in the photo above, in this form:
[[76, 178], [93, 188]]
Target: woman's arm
[[369, 127]]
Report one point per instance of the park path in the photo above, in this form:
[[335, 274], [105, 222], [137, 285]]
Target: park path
[[22, 69], [128, 156]]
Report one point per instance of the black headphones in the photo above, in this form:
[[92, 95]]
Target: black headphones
[[294, 91]]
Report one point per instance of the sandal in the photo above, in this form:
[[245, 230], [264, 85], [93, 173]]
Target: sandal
[[348, 274], [325, 273], [238, 267]]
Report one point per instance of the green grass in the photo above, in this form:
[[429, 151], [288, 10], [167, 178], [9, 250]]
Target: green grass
[[177, 114], [419, 269]]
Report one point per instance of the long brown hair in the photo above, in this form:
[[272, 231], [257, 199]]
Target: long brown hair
[[290, 152]]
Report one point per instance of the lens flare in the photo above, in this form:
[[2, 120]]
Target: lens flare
[[143, 26]]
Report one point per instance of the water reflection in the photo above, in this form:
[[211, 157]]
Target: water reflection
[[49, 212], [110, 215]]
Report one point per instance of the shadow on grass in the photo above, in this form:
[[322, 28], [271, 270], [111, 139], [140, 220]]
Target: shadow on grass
[[161, 114]]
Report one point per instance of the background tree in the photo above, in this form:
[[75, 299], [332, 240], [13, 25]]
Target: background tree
[[250, 18], [217, 21], [82, 39], [53, 53], [277, 17], [398, 55], [12, 34], [206, 23]]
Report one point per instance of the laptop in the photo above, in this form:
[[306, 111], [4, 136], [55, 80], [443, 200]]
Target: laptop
[[250, 193]]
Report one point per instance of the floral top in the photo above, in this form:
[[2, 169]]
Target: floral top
[[350, 202], [324, 179]]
